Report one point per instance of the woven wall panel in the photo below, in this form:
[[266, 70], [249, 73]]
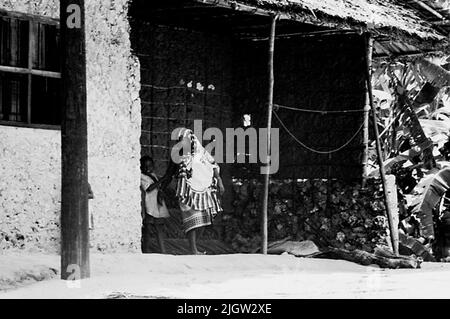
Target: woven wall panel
[[310, 73], [185, 76]]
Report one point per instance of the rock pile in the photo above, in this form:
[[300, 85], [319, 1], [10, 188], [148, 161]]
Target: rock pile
[[330, 213]]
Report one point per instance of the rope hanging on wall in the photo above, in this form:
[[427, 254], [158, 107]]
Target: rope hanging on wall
[[312, 149]]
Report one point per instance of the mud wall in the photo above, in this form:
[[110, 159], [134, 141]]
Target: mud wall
[[30, 186], [30, 158]]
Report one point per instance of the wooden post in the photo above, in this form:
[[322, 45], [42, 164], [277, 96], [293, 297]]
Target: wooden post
[[369, 53], [392, 201], [365, 160], [74, 192], [264, 233], [378, 144], [366, 144]]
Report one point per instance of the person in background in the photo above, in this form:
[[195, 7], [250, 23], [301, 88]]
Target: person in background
[[154, 209], [198, 186]]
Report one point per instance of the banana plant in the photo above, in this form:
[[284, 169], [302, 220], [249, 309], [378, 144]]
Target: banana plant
[[430, 193], [414, 91]]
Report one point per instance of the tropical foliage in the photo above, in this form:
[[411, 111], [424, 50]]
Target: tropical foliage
[[413, 100]]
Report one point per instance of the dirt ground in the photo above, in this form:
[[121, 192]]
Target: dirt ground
[[222, 276]]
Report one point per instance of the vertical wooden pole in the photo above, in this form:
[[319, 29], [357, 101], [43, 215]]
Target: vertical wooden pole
[[369, 53], [366, 142], [74, 197], [392, 202], [378, 144], [264, 234]]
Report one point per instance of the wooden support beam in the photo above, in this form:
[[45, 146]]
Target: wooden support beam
[[428, 8], [378, 144], [264, 233], [13, 69], [321, 33], [27, 16], [74, 192]]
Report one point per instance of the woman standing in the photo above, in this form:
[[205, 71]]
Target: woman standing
[[198, 186]]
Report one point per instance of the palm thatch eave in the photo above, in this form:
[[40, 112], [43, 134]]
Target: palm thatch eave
[[392, 21]]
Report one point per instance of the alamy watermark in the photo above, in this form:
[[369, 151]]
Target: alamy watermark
[[231, 146], [74, 279], [73, 20]]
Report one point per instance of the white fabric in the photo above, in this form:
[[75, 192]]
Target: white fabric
[[151, 199], [202, 173]]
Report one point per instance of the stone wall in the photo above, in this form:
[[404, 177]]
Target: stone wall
[[114, 122], [330, 213], [30, 158], [334, 213]]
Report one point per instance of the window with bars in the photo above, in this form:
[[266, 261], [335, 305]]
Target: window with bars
[[29, 71]]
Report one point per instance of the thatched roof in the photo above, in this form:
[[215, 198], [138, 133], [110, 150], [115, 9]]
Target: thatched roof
[[405, 26], [377, 14], [436, 12], [400, 27]]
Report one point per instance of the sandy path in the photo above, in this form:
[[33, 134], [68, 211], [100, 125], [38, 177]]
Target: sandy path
[[242, 276]]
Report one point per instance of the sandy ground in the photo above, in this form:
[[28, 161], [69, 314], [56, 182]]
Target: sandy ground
[[235, 276]]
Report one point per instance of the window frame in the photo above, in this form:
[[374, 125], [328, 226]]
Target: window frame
[[29, 71]]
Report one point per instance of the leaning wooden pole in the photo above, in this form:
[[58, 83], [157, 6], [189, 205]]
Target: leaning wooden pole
[[378, 144], [366, 144], [366, 123], [74, 191], [264, 233]]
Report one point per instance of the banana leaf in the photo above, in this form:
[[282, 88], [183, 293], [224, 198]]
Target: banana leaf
[[390, 162], [429, 199], [436, 75], [411, 246], [426, 95], [438, 131], [411, 123]]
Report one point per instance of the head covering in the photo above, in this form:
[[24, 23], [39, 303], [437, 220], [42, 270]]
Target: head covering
[[184, 133]]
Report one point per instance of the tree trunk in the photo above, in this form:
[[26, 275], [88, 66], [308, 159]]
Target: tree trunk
[[380, 258]]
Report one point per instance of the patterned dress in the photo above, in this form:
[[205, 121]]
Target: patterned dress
[[197, 187]]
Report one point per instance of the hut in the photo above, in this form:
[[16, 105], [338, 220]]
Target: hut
[[156, 65]]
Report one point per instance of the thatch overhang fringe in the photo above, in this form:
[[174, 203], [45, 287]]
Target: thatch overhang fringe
[[398, 27]]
